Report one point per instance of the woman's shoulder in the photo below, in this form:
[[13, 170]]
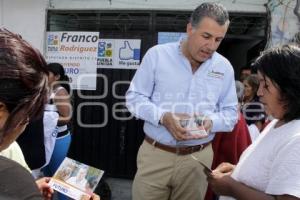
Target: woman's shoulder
[[10, 171], [294, 127], [60, 91]]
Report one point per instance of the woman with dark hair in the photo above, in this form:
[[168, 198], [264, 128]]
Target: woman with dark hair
[[60, 103], [58, 75], [23, 93], [269, 168]]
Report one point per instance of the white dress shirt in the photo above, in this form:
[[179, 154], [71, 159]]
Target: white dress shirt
[[164, 82]]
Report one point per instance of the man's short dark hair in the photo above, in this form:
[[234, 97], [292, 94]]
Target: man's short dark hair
[[214, 11]]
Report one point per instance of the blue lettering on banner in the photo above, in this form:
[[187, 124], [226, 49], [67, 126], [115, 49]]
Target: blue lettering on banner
[[79, 37], [52, 48], [72, 70]]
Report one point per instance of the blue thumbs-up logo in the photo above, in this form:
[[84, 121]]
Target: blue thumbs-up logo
[[126, 52]]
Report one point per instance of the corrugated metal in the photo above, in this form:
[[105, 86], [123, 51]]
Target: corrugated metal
[[114, 147]]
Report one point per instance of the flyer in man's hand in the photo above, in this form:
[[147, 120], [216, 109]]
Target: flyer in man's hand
[[75, 179], [194, 125]]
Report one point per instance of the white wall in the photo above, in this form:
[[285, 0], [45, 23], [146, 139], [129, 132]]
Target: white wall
[[1, 12], [231, 5], [27, 18]]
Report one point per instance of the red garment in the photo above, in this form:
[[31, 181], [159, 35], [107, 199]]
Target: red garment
[[228, 147], [265, 124]]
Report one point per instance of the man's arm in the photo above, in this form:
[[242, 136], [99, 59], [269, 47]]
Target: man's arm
[[141, 94], [140, 91]]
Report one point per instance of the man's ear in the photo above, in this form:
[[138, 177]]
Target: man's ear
[[57, 77], [3, 113], [189, 29]]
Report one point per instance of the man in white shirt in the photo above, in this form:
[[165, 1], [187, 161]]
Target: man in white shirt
[[176, 81]]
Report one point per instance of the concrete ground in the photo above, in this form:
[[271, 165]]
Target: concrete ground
[[120, 188]]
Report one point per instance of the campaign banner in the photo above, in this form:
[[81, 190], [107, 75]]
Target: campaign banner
[[77, 52], [119, 53]]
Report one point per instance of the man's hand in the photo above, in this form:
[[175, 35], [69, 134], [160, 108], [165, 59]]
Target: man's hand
[[44, 187], [171, 122], [207, 124], [204, 121]]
